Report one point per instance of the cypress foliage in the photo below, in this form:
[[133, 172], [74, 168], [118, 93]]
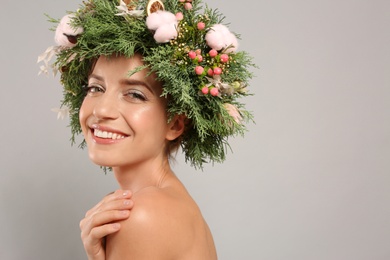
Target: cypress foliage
[[105, 33]]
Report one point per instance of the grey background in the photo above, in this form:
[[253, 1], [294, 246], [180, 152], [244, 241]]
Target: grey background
[[310, 180]]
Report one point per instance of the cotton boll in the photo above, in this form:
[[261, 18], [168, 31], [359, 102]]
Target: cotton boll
[[215, 40], [219, 37], [64, 29], [232, 43], [153, 21], [168, 17], [156, 19], [165, 33]]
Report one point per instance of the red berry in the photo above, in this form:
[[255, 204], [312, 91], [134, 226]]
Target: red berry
[[192, 55], [205, 90], [201, 25], [214, 92], [188, 6], [200, 58], [179, 16], [213, 53], [217, 71], [224, 58], [199, 70], [210, 72]]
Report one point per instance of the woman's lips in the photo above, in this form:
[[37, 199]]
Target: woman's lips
[[106, 135]]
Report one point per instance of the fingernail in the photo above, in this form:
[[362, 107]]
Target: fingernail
[[116, 226], [126, 202], [125, 193]]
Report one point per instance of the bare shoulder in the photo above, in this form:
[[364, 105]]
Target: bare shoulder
[[165, 223]]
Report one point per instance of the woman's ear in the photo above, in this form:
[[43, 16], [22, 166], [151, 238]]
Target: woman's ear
[[176, 127]]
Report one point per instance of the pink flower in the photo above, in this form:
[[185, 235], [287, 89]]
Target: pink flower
[[192, 55], [224, 58], [200, 58], [199, 70], [164, 24], [201, 25], [233, 112], [210, 72], [219, 37], [205, 90], [213, 53], [179, 16], [198, 51], [66, 35]]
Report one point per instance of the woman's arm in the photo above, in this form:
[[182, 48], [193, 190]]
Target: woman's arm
[[102, 220]]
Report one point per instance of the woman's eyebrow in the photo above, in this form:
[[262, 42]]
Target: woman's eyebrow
[[134, 82], [96, 77]]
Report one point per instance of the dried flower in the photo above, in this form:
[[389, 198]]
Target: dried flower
[[233, 112], [123, 10]]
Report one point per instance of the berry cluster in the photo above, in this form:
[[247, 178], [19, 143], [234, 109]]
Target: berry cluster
[[216, 64]]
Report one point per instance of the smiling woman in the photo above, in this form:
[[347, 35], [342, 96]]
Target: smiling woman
[[124, 122], [128, 113], [139, 84]]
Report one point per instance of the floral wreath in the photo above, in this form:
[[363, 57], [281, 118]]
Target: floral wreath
[[192, 53]]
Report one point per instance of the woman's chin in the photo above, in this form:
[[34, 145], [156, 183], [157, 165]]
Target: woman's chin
[[104, 161]]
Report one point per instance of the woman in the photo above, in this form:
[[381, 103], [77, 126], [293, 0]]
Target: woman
[[124, 123], [141, 79]]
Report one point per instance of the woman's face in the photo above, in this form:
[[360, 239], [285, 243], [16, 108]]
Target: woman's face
[[123, 118]]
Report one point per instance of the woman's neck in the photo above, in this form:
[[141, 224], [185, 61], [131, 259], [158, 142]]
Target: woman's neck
[[138, 176]]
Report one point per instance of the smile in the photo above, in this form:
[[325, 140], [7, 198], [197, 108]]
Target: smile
[[107, 135]]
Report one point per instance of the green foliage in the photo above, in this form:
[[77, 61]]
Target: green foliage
[[210, 124]]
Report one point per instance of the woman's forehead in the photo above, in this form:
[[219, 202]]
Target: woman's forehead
[[118, 68]]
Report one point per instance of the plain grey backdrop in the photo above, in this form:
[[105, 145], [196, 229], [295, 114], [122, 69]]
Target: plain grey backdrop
[[310, 181]]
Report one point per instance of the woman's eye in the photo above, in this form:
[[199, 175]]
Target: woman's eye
[[136, 95], [94, 89]]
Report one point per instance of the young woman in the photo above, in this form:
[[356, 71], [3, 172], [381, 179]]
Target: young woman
[[124, 122], [141, 79]]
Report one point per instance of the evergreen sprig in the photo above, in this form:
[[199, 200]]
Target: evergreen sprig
[[105, 33]]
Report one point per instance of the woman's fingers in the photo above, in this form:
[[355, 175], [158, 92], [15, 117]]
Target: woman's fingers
[[102, 220], [115, 196]]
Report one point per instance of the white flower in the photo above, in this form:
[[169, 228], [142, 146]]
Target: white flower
[[43, 70], [61, 112], [123, 10], [46, 58]]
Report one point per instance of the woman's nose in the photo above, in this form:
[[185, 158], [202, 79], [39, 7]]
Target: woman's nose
[[106, 107]]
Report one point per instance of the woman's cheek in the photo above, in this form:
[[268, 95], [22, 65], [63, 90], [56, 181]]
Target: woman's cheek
[[83, 115]]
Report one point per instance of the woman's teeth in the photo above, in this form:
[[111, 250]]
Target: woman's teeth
[[107, 135]]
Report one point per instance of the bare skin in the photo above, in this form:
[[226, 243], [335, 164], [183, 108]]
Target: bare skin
[[125, 126], [102, 220]]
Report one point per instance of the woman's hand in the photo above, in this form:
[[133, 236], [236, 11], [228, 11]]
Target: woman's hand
[[102, 220]]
